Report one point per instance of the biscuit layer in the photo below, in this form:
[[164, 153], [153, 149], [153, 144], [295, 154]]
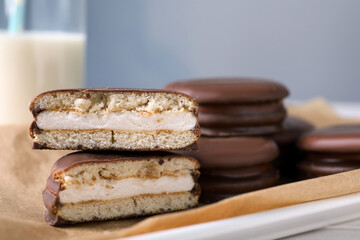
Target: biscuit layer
[[113, 139], [122, 208]]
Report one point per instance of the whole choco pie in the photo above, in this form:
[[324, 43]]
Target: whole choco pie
[[227, 106], [235, 165], [216, 186], [234, 152], [330, 150]]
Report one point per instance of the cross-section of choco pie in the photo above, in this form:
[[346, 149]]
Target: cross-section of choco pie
[[114, 119], [87, 186]]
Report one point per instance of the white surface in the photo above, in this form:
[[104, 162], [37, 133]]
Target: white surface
[[131, 121], [102, 189]]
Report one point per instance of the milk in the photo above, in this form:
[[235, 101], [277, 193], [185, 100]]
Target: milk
[[32, 63]]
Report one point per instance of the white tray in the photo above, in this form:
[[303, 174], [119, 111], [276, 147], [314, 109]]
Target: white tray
[[270, 224]]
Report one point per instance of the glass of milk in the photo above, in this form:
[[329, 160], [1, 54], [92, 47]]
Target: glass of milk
[[48, 54]]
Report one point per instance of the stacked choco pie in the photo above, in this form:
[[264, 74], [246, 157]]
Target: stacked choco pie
[[127, 181], [235, 115], [329, 151]]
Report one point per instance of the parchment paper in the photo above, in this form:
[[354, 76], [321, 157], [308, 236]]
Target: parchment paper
[[23, 174], [318, 112]]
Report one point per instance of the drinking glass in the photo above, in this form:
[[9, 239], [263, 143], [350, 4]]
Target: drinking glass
[[43, 48]]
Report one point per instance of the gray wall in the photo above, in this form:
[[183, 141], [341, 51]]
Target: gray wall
[[313, 46]]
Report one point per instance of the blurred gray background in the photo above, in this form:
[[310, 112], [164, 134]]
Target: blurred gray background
[[312, 46]]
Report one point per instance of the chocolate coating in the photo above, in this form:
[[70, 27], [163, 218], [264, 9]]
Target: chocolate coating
[[234, 152], [237, 173], [241, 115], [341, 139], [211, 198], [231, 90], [332, 157], [293, 128], [241, 131], [286, 139], [311, 169], [53, 219], [230, 186]]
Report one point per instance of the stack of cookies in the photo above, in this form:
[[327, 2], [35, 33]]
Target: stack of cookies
[[330, 150], [237, 116], [132, 177]]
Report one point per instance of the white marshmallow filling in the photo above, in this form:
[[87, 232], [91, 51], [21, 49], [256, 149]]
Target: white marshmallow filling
[[102, 189], [126, 120]]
